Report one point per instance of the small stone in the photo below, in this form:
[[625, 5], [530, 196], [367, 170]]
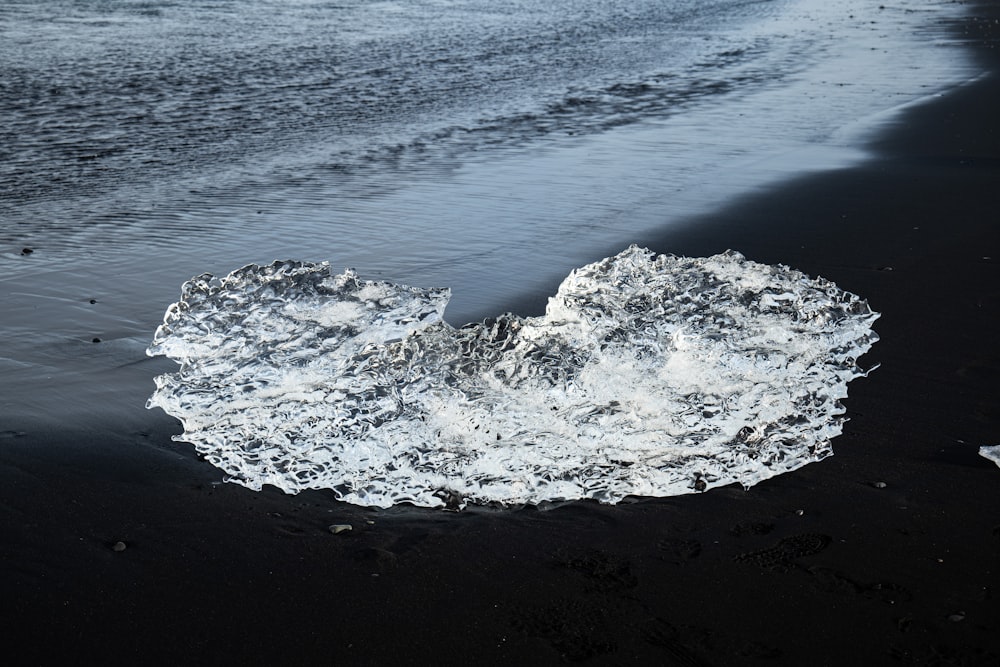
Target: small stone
[[453, 500], [700, 484], [339, 528], [118, 547], [879, 485]]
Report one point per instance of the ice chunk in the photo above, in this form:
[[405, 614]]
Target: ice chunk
[[649, 375], [992, 453]]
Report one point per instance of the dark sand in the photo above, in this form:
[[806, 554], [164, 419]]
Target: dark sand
[[816, 567]]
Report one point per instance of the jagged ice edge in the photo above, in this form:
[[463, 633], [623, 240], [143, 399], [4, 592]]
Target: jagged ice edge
[[648, 375]]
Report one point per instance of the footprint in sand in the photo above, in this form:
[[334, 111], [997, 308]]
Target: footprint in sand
[[780, 556], [678, 550], [833, 581], [602, 570]]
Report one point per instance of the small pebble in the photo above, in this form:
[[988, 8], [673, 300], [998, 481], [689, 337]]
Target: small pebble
[[879, 485], [119, 547], [338, 528]]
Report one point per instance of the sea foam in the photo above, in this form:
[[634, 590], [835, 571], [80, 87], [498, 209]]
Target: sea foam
[[648, 375]]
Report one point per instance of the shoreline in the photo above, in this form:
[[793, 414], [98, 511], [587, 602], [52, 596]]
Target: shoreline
[[818, 566]]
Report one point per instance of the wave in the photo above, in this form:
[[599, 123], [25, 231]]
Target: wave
[[648, 375]]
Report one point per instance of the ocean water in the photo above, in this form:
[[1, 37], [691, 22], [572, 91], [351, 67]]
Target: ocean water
[[485, 146]]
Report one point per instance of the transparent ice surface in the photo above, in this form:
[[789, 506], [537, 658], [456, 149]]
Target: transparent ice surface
[[991, 452], [648, 375]]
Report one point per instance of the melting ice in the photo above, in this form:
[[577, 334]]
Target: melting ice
[[991, 453], [648, 375]]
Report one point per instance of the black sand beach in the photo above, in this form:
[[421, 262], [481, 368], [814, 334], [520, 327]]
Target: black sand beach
[[886, 553]]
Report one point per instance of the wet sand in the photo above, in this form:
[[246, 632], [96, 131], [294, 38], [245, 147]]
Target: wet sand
[[886, 553]]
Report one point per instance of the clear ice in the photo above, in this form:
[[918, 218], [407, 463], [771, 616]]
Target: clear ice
[[991, 452], [648, 375]]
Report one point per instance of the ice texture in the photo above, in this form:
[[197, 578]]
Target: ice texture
[[648, 375], [991, 452]]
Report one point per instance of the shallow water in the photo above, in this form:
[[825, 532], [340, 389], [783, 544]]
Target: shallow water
[[489, 147]]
